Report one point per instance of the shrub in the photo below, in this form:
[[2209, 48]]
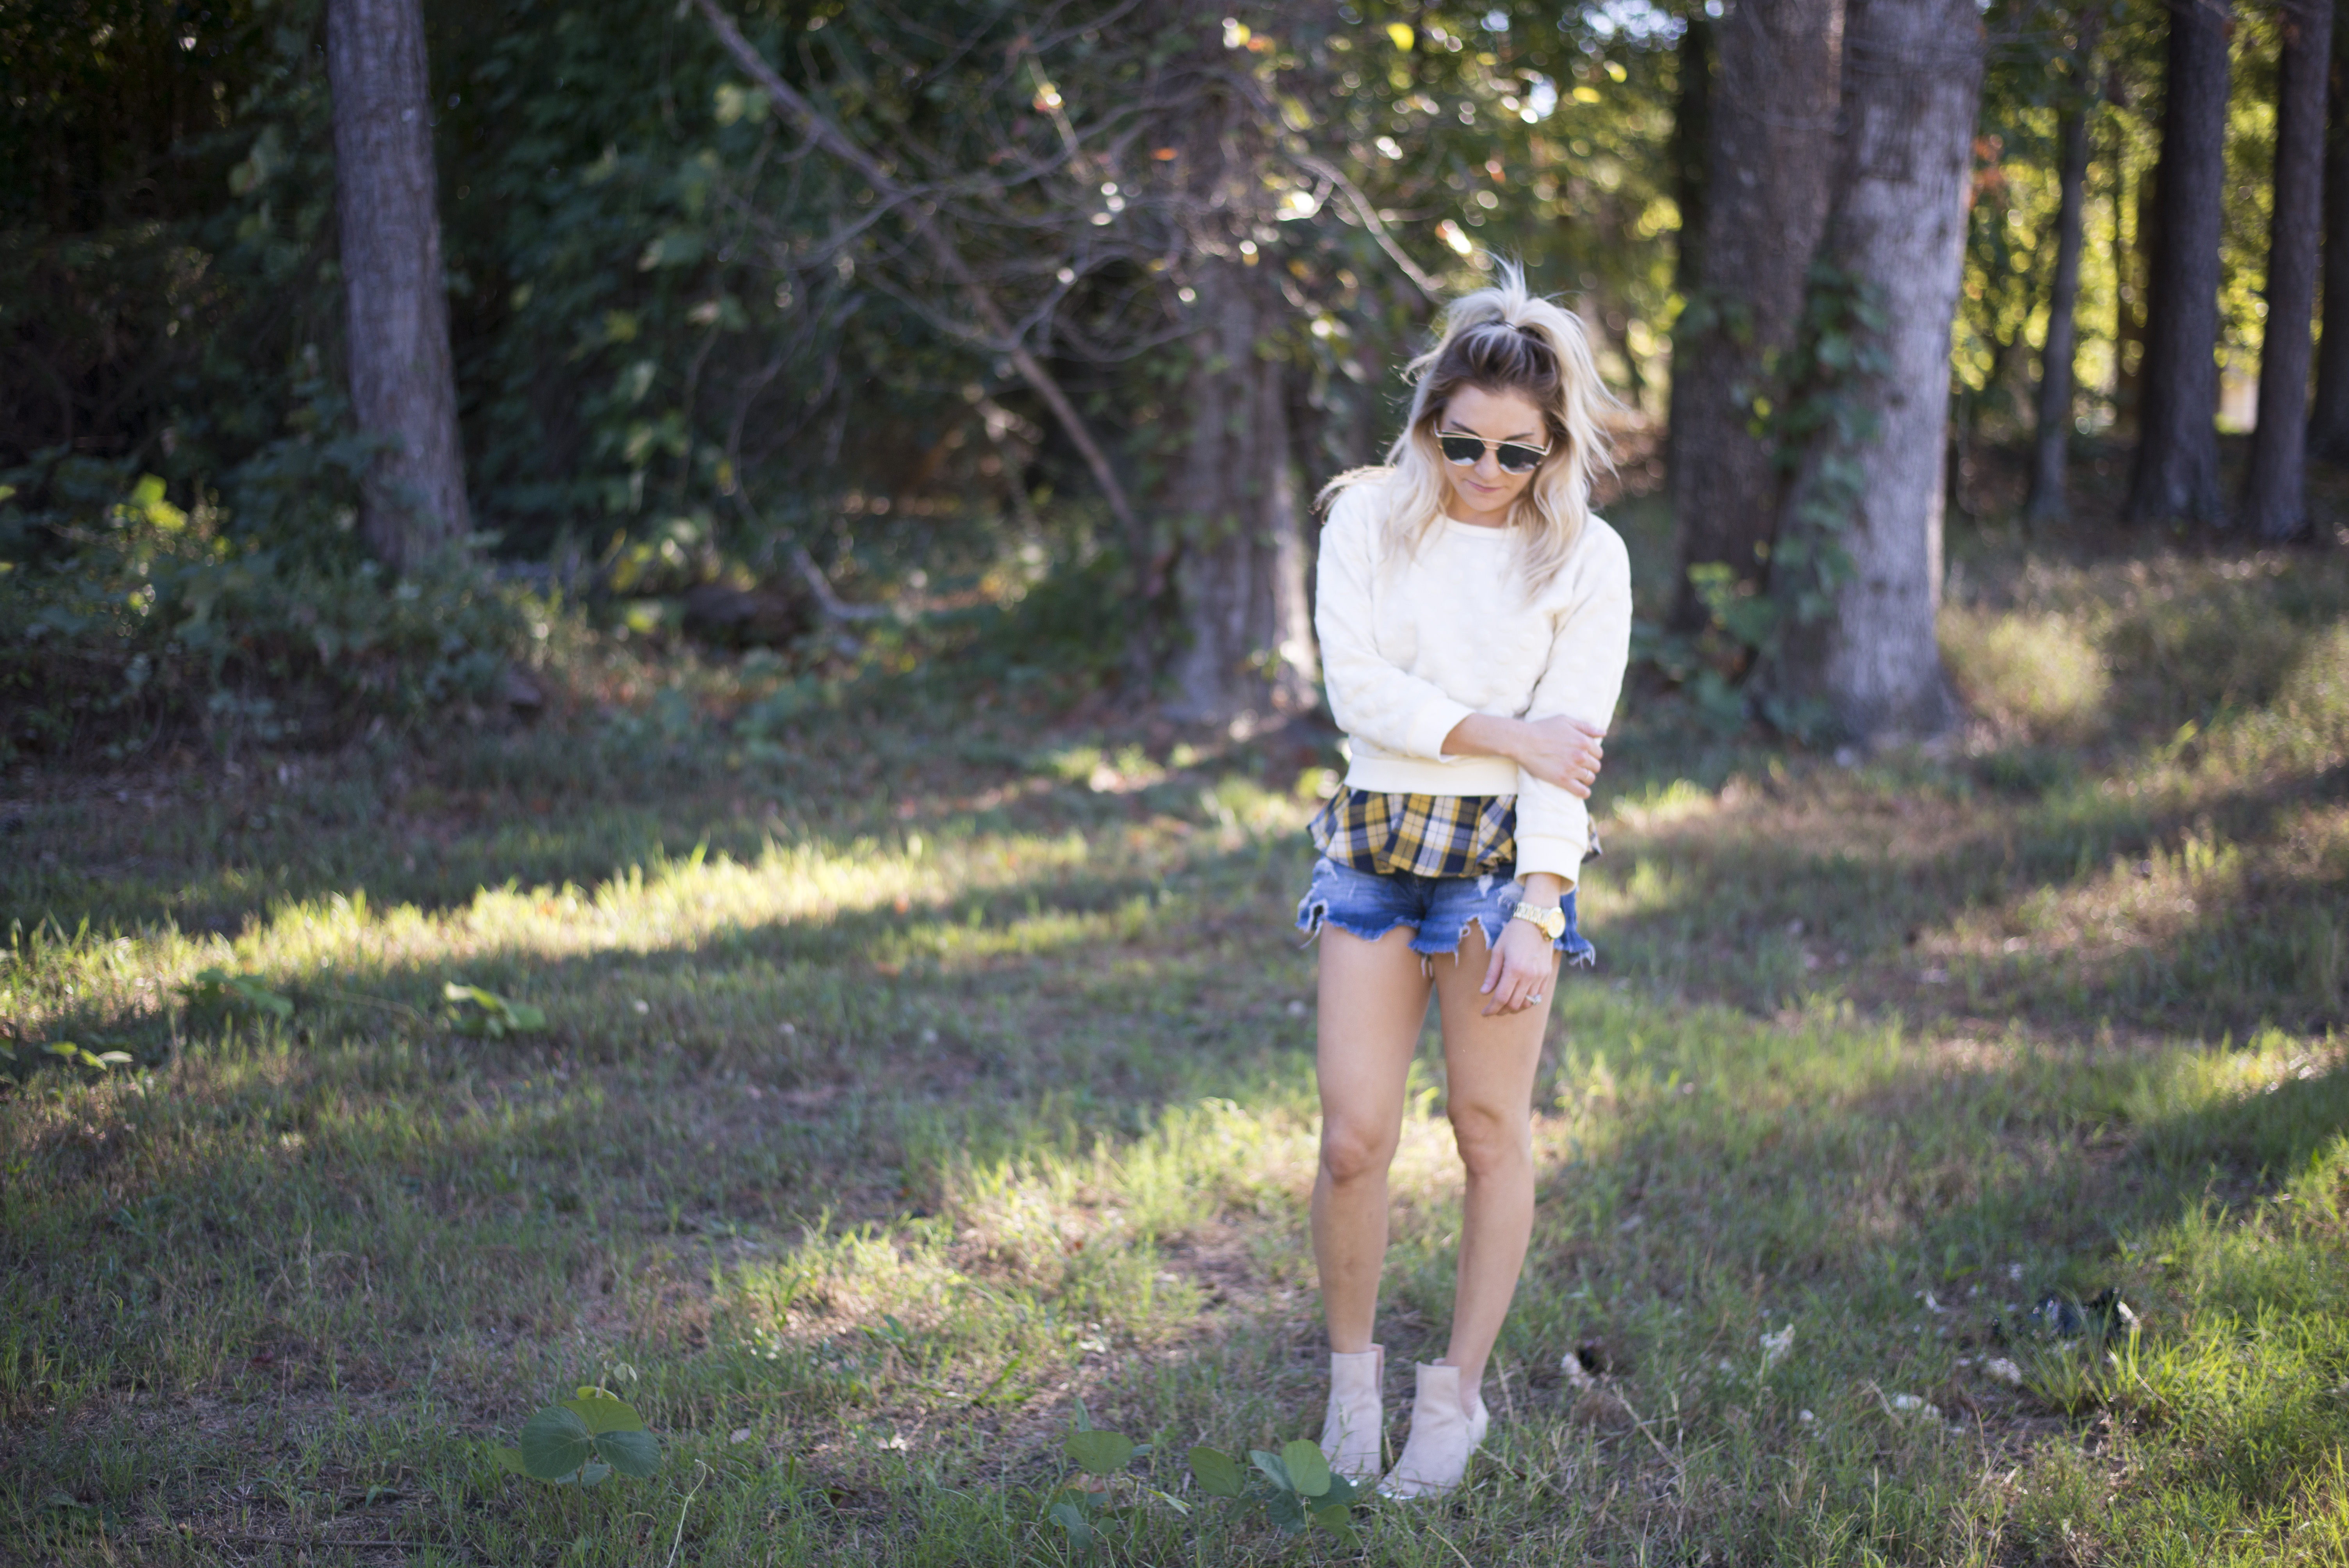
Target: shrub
[[127, 620]]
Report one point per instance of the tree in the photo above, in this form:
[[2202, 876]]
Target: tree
[[1241, 575], [403, 387], [2328, 419], [1769, 169], [1866, 501], [2175, 473], [2051, 431], [2275, 503]]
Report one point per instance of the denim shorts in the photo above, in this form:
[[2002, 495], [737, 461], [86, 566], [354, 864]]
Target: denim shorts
[[1439, 910]]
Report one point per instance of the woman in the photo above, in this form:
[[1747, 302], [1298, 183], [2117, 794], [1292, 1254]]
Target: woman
[[1474, 622]]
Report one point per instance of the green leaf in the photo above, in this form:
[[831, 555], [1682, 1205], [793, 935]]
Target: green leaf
[[1218, 1473], [1099, 1452], [1332, 1518], [604, 1412], [1343, 1492], [632, 1453], [1071, 1518], [219, 987], [590, 1474], [510, 1458], [555, 1443], [1309, 1471], [1285, 1509], [1274, 1471], [485, 1015]]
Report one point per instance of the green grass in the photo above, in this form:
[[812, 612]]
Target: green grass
[[929, 1068]]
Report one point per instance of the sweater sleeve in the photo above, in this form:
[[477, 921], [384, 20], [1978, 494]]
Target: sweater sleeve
[[1371, 698], [1584, 677]]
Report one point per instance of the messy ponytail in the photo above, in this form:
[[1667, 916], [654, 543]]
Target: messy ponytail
[[1503, 338]]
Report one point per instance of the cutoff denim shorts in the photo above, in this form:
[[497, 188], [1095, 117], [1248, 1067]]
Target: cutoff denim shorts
[[1439, 910]]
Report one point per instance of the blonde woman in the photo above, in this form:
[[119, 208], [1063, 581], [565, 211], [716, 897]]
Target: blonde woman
[[1474, 620]]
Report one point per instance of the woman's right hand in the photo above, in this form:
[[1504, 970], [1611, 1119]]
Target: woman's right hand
[[1562, 752]]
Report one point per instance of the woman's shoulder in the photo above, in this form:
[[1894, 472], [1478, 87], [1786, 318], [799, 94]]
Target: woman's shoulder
[[1602, 547], [1600, 564], [1357, 499]]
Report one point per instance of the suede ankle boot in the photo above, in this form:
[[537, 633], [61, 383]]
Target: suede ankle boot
[[1442, 1436], [1351, 1432]]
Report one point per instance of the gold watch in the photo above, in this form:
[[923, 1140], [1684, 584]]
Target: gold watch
[[1552, 920]]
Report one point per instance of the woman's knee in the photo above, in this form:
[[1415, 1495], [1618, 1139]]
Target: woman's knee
[[1492, 1143], [1351, 1152]]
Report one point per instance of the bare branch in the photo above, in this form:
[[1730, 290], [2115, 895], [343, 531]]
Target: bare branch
[[949, 258], [1370, 217]]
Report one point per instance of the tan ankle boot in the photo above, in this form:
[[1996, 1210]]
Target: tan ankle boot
[[1351, 1432], [1442, 1436]]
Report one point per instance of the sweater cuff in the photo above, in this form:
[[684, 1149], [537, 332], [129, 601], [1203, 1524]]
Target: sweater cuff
[[1431, 723], [1559, 857]]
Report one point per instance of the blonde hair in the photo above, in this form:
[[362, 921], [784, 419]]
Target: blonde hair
[[1504, 338]]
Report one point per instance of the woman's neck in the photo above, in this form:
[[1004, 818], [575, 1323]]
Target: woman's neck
[[1459, 509]]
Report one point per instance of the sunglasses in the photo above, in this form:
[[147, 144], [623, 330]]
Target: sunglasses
[[1466, 451]]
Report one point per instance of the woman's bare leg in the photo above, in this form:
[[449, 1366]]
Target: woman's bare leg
[[1373, 998], [1489, 1068]]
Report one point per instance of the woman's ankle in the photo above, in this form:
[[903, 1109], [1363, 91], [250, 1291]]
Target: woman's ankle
[[1471, 1391]]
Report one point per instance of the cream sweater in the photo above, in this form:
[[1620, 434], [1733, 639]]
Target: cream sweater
[[1412, 643]]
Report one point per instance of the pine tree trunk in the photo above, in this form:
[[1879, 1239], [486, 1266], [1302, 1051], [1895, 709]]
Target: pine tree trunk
[[1912, 74], [2176, 475], [2131, 245], [2275, 490], [403, 387], [2328, 419], [1688, 147], [2052, 437], [1769, 169], [1241, 580]]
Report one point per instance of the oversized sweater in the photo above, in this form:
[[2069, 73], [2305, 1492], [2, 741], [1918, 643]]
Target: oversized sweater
[[1414, 641]]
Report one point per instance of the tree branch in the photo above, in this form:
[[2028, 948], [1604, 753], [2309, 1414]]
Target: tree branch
[[951, 261], [1370, 217]]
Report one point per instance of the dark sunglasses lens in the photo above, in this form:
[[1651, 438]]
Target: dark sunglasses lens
[[1462, 449], [1516, 459]]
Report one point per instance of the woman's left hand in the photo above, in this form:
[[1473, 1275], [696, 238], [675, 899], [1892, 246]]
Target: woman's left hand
[[1522, 967]]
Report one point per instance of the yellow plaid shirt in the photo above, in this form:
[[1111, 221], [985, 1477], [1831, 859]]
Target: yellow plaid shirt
[[1427, 835]]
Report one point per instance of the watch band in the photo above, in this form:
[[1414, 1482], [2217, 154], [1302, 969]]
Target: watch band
[[1552, 921]]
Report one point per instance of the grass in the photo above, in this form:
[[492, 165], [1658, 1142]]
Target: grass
[[932, 1065]]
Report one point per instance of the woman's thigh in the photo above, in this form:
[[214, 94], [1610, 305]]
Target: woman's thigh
[[1373, 999], [1490, 1064]]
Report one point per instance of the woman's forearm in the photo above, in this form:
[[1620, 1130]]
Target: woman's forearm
[[1486, 735], [1545, 889]]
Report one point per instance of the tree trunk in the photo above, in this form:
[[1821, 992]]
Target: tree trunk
[[2131, 245], [2176, 476], [402, 383], [1912, 74], [2052, 433], [2328, 420], [1769, 169], [1686, 149], [2275, 490], [1685, 152], [1241, 579]]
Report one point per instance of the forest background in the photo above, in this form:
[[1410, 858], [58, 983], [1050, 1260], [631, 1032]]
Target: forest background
[[709, 373]]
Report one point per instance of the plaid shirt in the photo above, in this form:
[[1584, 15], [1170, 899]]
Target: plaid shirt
[[1427, 835]]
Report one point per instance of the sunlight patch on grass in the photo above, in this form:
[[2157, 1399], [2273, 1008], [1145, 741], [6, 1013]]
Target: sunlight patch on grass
[[675, 906], [1038, 1260], [2037, 673], [1661, 804]]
